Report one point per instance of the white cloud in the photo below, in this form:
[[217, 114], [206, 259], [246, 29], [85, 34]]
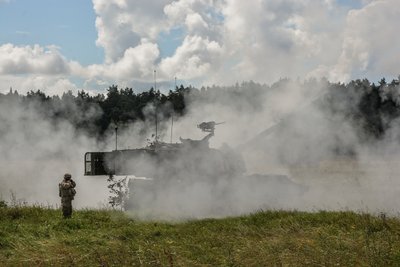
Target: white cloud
[[26, 68], [52, 85], [122, 24], [136, 63], [196, 57], [32, 59], [227, 41], [371, 43], [23, 33], [268, 40], [197, 18], [128, 34], [195, 23]]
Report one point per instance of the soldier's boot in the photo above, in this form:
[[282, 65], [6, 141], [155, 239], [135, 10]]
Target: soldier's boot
[[66, 212], [69, 211]]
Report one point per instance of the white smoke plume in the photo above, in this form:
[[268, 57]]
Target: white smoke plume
[[297, 156], [35, 153]]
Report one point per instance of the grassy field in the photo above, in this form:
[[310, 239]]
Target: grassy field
[[35, 236]]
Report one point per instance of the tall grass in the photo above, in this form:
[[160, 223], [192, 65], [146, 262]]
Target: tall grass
[[39, 236]]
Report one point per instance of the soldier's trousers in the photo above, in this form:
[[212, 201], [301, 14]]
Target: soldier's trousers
[[66, 207]]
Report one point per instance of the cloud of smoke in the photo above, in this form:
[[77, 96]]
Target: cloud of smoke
[[35, 153], [297, 154]]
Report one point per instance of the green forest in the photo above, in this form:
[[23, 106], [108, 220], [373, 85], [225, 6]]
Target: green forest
[[370, 107]]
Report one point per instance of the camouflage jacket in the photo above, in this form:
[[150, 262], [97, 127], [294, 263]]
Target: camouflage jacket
[[67, 189]]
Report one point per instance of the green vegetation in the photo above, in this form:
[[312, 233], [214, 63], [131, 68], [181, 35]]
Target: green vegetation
[[36, 236], [371, 108]]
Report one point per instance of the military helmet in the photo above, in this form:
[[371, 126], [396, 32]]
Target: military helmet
[[67, 176]]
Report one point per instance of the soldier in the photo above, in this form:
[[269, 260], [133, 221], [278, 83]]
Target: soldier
[[67, 193]]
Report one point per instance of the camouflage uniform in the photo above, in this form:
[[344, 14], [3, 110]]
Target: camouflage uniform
[[67, 193]]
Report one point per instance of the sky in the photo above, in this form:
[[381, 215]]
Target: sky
[[55, 45]]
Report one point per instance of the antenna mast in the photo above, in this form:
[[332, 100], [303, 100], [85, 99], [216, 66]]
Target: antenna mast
[[116, 137], [172, 116], [155, 113]]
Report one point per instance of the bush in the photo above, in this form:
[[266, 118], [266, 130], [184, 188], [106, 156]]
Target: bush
[[3, 204]]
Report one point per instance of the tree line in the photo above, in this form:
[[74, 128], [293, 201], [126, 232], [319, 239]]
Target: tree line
[[94, 114], [371, 107]]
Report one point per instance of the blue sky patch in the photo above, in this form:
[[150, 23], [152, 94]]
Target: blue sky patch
[[67, 24], [170, 41]]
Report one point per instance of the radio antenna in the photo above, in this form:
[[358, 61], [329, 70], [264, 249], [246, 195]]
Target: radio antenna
[[172, 115], [116, 137], [156, 103]]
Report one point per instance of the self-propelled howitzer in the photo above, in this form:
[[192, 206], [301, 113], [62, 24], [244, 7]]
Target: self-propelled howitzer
[[187, 160]]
